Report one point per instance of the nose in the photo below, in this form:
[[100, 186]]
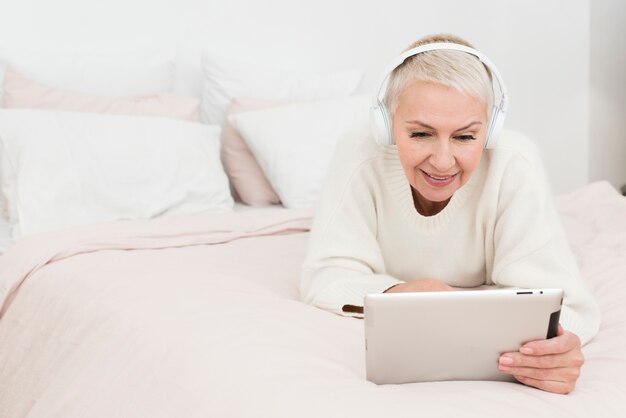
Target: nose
[[442, 158]]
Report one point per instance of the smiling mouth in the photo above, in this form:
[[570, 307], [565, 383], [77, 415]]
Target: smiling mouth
[[438, 180]]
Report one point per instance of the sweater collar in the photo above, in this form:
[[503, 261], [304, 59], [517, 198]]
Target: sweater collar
[[397, 184]]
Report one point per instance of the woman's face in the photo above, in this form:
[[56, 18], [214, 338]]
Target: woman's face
[[439, 133]]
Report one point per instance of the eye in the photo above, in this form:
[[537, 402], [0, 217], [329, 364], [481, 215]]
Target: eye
[[419, 134], [466, 137]]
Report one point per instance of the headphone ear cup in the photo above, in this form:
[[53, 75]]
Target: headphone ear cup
[[380, 124], [495, 126]]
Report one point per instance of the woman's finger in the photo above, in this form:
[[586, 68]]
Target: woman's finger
[[548, 385], [559, 374], [557, 345], [573, 358]]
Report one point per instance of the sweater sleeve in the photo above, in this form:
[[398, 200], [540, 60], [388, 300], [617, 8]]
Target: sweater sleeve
[[344, 262], [530, 246]]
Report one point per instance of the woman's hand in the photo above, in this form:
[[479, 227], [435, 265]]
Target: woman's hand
[[420, 285], [552, 365]]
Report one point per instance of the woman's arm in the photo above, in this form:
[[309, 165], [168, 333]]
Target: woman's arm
[[344, 262], [531, 251]]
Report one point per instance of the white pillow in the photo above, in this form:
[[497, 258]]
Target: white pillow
[[71, 169], [294, 144], [225, 79], [137, 72]]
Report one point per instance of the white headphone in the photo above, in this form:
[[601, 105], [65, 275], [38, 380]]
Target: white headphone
[[379, 116]]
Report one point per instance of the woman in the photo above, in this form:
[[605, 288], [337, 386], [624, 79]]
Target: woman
[[437, 211]]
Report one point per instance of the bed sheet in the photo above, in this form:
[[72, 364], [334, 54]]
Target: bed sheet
[[5, 230], [200, 316]]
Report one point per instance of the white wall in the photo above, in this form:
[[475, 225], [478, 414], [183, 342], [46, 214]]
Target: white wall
[[541, 47], [607, 133]]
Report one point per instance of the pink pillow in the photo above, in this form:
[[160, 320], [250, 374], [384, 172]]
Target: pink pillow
[[248, 182], [22, 92]]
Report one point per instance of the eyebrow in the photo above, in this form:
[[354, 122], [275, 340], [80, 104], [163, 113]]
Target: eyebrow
[[417, 122]]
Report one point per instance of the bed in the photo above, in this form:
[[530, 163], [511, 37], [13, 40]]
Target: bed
[[200, 316], [193, 309]]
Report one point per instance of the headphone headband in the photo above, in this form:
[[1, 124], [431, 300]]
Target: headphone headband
[[498, 111], [445, 46]]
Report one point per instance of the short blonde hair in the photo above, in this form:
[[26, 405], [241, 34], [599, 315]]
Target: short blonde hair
[[462, 71]]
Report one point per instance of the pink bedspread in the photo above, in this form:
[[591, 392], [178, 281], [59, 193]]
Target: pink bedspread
[[200, 317]]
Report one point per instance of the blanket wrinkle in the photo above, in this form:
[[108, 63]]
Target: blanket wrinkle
[[31, 254]]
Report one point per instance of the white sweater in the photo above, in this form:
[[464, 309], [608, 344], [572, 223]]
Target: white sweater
[[501, 228]]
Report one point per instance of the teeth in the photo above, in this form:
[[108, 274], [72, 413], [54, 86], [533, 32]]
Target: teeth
[[438, 178]]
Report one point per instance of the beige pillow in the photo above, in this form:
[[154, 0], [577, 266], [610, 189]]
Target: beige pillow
[[248, 182], [22, 92]]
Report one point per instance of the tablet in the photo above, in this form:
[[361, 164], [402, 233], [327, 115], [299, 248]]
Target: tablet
[[455, 335]]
